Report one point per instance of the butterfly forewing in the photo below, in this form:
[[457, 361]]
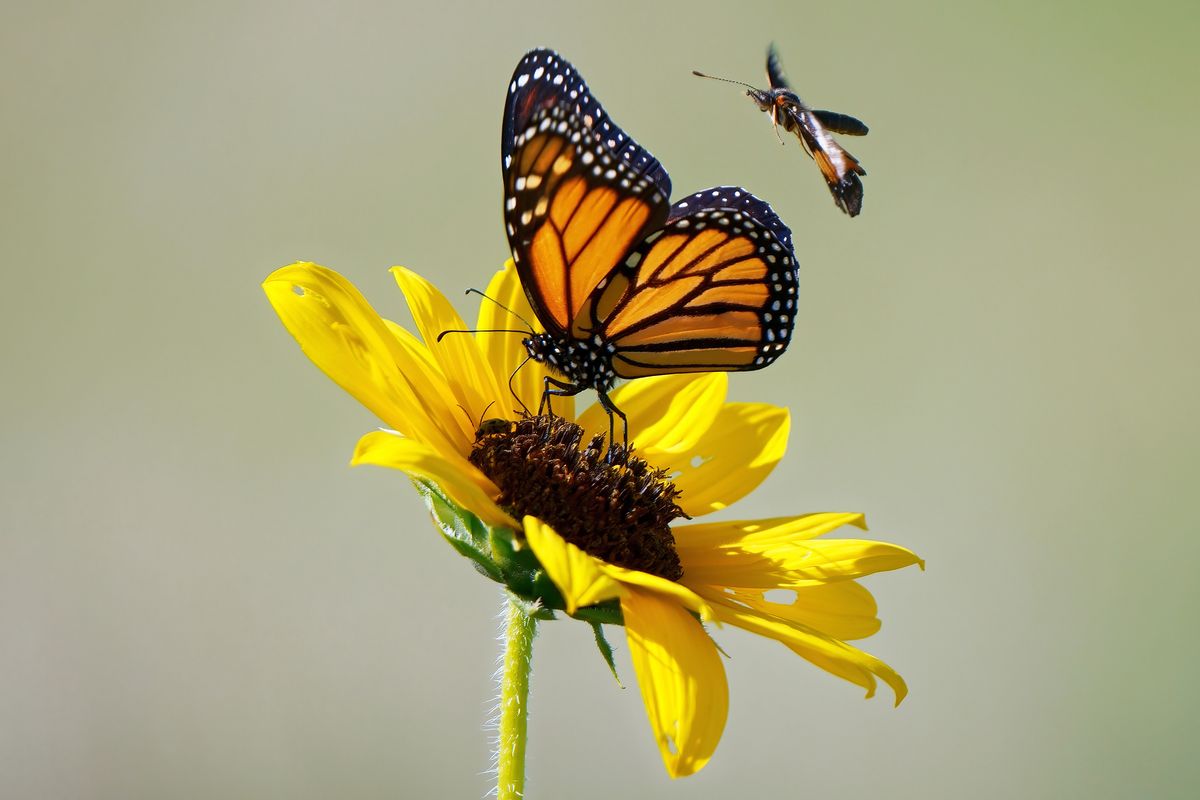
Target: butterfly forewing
[[542, 79], [579, 193]]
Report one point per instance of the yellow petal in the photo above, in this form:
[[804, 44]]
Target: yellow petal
[[731, 458], [829, 653], [844, 610], [472, 380], [779, 553], [667, 414], [661, 586], [681, 679], [410, 342], [458, 478], [712, 535], [506, 351], [339, 330], [579, 576]]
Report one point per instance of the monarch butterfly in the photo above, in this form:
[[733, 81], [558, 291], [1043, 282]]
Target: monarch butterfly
[[812, 128], [624, 284]]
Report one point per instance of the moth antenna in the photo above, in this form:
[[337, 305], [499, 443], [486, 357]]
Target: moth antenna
[[699, 74]]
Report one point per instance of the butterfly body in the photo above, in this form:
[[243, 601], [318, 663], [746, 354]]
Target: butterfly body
[[625, 284], [814, 128], [585, 363]]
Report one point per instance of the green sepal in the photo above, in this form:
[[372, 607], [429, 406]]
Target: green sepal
[[720, 649], [465, 532], [516, 561], [606, 651], [606, 613], [501, 554]]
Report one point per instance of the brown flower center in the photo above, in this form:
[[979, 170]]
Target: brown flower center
[[619, 512]]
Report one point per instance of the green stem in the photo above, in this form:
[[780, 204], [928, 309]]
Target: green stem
[[514, 707]]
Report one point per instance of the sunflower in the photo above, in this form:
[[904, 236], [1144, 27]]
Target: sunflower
[[536, 504]]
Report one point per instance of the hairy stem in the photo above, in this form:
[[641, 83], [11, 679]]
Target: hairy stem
[[514, 708]]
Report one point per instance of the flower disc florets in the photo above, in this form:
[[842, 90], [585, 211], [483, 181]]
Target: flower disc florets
[[619, 512]]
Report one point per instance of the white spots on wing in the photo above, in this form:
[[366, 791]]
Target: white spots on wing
[[522, 79], [538, 73]]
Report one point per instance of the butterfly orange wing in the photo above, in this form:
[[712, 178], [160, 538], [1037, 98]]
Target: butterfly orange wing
[[579, 193], [714, 290]]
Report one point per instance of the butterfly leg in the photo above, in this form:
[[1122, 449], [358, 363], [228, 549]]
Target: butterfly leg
[[524, 408], [613, 413], [562, 389]]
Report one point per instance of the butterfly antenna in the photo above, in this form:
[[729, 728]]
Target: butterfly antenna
[[506, 308], [483, 330], [699, 74]]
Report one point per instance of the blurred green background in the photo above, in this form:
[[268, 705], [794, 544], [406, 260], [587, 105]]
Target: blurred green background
[[997, 362]]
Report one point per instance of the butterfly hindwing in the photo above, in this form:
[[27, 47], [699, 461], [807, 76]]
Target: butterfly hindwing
[[715, 289]]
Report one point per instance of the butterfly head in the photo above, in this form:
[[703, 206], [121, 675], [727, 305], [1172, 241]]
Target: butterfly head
[[584, 362]]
